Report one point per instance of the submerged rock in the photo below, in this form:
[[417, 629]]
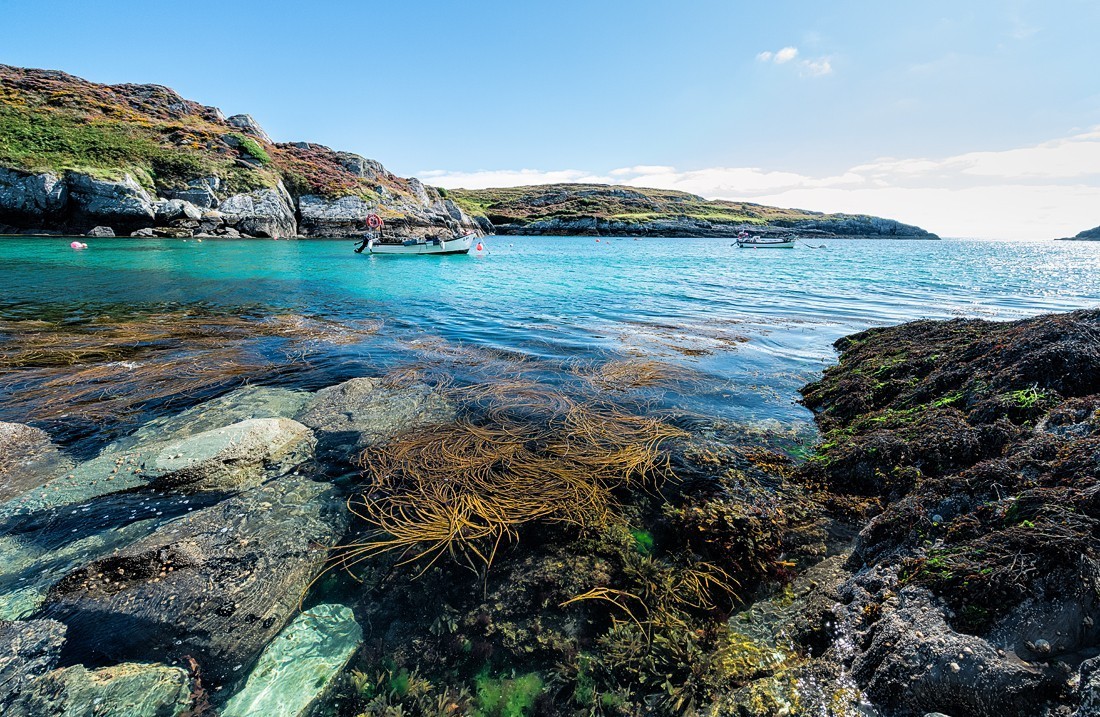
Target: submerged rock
[[129, 690], [239, 405], [216, 584], [231, 458], [362, 411], [27, 650], [27, 459], [298, 667]]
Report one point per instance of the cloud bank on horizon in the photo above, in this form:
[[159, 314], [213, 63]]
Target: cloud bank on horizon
[[1043, 191]]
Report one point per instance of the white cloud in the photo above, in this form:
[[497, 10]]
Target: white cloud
[[816, 68], [811, 68], [786, 55], [1047, 190]]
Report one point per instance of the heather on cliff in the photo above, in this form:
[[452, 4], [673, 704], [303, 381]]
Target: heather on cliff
[[74, 154]]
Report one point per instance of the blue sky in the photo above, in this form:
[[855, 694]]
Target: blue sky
[[898, 108]]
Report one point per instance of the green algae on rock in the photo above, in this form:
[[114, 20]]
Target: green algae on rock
[[129, 689]]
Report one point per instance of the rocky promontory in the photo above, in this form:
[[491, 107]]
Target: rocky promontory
[[77, 157], [603, 210], [1087, 235]]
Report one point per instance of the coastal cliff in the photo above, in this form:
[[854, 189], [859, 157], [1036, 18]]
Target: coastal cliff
[[77, 156], [602, 210]]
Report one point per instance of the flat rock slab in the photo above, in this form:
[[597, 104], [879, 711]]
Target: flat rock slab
[[217, 584], [27, 459], [232, 458], [128, 690], [298, 667]]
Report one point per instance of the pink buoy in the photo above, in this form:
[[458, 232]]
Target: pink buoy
[[76, 245], [480, 247]]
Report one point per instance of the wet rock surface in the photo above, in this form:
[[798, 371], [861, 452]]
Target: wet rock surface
[[27, 650], [222, 459], [217, 584], [134, 690], [968, 452], [352, 415], [298, 667], [27, 459]]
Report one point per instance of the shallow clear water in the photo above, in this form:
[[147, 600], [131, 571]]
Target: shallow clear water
[[758, 323]]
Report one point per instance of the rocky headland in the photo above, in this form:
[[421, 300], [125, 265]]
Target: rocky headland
[[79, 157], [602, 210], [935, 553], [1087, 235]]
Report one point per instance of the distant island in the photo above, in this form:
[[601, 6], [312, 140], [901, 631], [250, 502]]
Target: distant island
[[1087, 235], [77, 157], [602, 210]]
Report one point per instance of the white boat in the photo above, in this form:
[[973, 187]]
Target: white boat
[[422, 245], [744, 241]]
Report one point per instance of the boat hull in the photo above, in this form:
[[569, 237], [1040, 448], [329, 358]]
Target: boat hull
[[766, 244], [458, 245]]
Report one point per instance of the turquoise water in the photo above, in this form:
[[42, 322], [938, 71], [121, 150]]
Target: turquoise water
[[757, 323]]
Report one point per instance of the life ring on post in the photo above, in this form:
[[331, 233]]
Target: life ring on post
[[374, 221]]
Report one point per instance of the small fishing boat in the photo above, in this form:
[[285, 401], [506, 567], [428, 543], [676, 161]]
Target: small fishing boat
[[422, 245], [744, 241], [380, 244]]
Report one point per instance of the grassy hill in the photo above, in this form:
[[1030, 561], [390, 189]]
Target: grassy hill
[[624, 210]]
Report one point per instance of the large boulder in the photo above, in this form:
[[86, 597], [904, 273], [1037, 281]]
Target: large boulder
[[361, 166], [30, 198], [248, 125], [27, 650], [27, 459], [170, 210], [101, 232], [225, 459], [354, 414], [297, 669], [264, 212], [122, 203], [217, 584], [201, 192], [129, 690]]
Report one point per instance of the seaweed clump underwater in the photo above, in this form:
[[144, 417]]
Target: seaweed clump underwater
[[559, 551]]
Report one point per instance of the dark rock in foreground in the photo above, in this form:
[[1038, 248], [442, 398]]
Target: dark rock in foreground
[[217, 584], [971, 451]]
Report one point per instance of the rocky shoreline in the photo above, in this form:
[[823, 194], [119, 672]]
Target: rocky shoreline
[[934, 554], [1087, 235]]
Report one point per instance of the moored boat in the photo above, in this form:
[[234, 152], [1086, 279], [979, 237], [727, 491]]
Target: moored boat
[[744, 241], [379, 244], [422, 245]]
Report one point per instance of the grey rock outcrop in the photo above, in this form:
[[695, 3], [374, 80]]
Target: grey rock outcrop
[[101, 232], [123, 203], [173, 209], [32, 197], [333, 217], [1089, 689], [249, 126], [264, 212], [27, 459], [217, 584], [1087, 235], [361, 166], [27, 650], [132, 690]]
